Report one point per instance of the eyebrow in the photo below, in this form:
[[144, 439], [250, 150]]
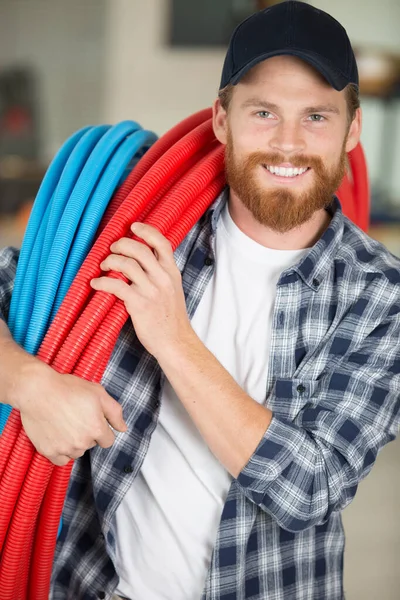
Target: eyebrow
[[269, 106]]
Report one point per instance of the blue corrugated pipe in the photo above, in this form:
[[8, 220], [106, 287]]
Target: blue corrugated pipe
[[69, 206]]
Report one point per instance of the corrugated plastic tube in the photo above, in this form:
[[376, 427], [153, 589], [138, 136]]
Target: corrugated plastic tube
[[214, 165], [41, 477], [80, 289], [41, 569], [134, 204], [52, 223], [130, 145]]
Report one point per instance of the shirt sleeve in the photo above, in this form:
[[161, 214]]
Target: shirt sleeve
[[8, 266], [325, 435]]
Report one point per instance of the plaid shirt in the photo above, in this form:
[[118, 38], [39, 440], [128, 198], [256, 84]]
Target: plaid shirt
[[333, 384]]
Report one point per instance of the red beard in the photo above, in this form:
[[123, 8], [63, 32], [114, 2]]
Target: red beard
[[281, 209]]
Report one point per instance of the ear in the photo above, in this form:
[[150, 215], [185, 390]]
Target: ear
[[353, 137], [219, 118]]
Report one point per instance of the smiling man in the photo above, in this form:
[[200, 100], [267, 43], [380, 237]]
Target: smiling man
[[259, 374], [287, 132]]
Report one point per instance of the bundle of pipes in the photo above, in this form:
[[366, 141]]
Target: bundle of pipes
[[171, 187]]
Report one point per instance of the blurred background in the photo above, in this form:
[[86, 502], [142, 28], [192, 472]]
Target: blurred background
[[64, 65]]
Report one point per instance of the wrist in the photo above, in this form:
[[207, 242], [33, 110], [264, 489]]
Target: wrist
[[175, 350], [22, 369]]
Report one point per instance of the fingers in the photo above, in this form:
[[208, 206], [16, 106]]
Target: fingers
[[112, 411], [60, 461], [119, 288], [146, 266], [127, 266], [137, 263], [157, 241], [136, 250], [158, 250], [105, 438]]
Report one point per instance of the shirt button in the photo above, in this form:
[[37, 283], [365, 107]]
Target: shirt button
[[315, 282], [301, 389], [101, 595], [128, 469], [208, 261]]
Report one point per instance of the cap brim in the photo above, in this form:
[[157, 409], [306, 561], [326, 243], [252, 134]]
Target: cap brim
[[333, 77]]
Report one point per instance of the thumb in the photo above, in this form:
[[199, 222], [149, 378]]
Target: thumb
[[113, 413]]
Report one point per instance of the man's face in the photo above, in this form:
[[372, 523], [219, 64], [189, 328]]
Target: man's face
[[286, 135]]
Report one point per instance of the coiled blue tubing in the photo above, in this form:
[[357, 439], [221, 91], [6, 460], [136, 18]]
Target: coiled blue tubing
[[67, 211]]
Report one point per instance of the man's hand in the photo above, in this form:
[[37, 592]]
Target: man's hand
[[154, 299], [64, 415]]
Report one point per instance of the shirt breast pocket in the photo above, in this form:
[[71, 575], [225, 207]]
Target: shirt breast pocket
[[290, 396]]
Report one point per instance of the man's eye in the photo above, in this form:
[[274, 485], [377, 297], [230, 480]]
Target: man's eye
[[264, 114], [317, 118]]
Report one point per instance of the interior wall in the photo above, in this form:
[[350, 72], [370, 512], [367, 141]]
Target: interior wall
[[64, 43], [158, 85]]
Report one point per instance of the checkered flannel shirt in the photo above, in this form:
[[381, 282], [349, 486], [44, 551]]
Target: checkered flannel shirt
[[333, 384]]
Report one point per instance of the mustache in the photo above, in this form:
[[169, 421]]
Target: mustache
[[275, 159]]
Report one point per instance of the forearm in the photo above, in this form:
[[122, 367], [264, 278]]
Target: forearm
[[15, 363], [231, 422]]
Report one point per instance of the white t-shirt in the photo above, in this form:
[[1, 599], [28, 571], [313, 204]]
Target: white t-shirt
[[168, 520]]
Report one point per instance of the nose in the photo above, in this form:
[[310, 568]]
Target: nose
[[287, 138]]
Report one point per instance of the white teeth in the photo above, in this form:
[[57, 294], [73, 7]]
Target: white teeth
[[286, 171]]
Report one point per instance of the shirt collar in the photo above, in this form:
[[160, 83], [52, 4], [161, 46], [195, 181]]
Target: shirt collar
[[315, 264]]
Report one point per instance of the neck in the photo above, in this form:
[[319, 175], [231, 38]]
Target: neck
[[304, 236]]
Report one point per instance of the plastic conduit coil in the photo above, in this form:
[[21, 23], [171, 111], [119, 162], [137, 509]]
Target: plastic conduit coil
[[95, 154], [41, 571], [214, 167], [345, 195], [57, 244], [101, 303], [137, 140], [361, 187], [213, 195], [164, 143], [88, 147], [134, 204], [76, 289], [354, 191]]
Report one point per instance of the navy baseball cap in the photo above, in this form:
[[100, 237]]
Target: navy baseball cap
[[297, 29]]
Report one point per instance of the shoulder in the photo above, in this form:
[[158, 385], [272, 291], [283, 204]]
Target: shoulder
[[367, 256], [8, 261]]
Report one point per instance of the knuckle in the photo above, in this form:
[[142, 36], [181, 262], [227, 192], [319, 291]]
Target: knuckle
[[120, 244], [98, 431], [80, 447], [144, 251], [154, 293], [166, 244], [59, 460]]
